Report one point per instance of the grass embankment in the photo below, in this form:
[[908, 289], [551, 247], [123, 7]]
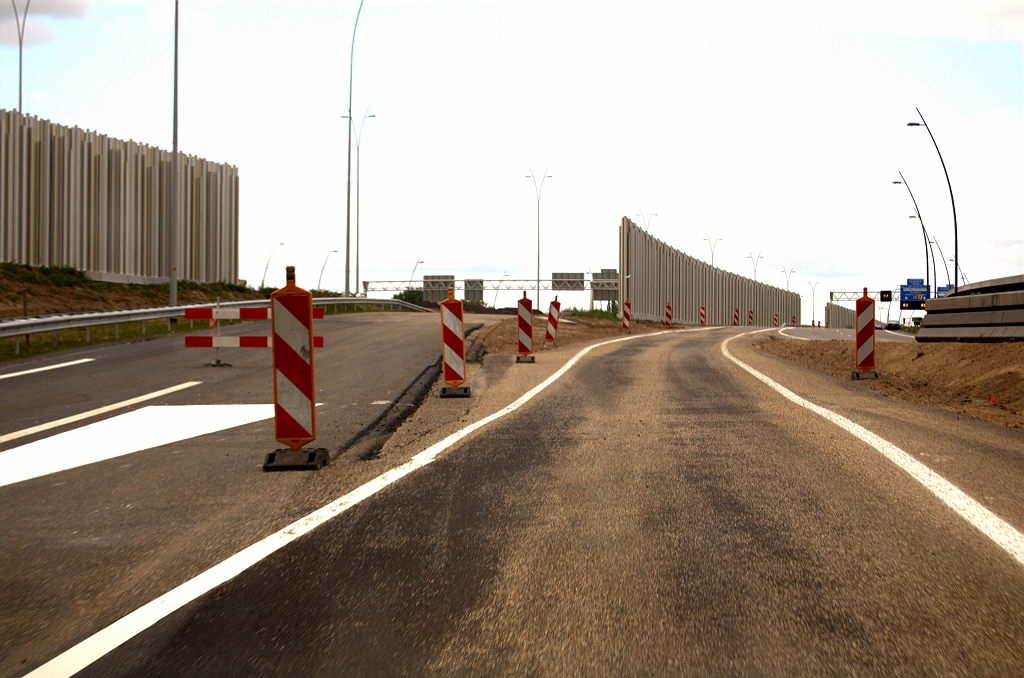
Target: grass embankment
[[34, 291]]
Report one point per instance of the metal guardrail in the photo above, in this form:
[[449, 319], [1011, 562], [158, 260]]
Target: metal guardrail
[[13, 327], [492, 285]]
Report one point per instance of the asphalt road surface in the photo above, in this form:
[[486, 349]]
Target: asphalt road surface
[[656, 510]]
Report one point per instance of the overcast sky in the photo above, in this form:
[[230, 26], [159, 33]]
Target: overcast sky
[[777, 126]]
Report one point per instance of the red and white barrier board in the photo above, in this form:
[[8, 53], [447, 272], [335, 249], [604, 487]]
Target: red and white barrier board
[[865, 338], [736, 317], [291, 321], [776, 319], [525, 329], [750, 317], [627, 315], [216, 313], [453, 347], [554, 311], [792, 321], [668, 315], [703, 317]]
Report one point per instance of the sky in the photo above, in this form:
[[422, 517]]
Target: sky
[[778, 127]]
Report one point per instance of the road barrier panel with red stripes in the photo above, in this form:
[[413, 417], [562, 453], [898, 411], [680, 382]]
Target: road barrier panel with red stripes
[[736, 317], [217, 341], [554, 311], [453, 348], [627, 315], [668, 315], [792, 321], [525, 331], [776, 319], [291, 322], [865, 360], [703, 315], [750, 317]]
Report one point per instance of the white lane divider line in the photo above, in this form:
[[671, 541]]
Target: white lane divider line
[[124, 629], [988, 523], [124, 434], [44, 369], [98, 411], [792, 336]]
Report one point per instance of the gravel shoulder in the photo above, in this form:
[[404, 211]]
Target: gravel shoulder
[[984, 381]]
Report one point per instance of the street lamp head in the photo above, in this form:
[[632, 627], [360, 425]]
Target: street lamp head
[[913, 124], [912, 216], [897, 182]]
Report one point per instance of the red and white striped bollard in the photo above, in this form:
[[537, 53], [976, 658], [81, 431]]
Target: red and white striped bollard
[[525, 331], [453, 348]]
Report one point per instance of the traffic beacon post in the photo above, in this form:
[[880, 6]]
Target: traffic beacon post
[[668, 315], [627, 315], [291, 322], [525, 331], [453, 348], [865, 339], [554, 311]]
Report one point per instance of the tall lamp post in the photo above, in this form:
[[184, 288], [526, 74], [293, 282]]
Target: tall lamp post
[[538, 188], [172, 239], [267, 267], [359, 138], [413, 274], [713, 245], [935, 242], [814, 286], [924, 231], [20, 23], [956, 240], [751, 257], [788, 274], [348, 180], [647, 219], [498, 288], [321, 278]]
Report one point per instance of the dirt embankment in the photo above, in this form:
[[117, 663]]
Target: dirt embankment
[[64, 290], [503, 337], [985, 381]]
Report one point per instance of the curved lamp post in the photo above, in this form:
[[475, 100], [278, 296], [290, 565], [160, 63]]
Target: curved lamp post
[[411, 275], [924, 232], [320, 279], [498, 288], [788, 274], [956, 240], [814, 287], [935, 242], [538, 188], [267, 267], [751, 257], [647, 219], [713, 245], [348, 181]]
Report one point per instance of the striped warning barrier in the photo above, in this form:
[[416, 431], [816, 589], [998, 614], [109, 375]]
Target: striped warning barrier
[[703, 316], [525, 331], [865, 338], [736, 317], [217, 313], [554, 310], [668, 315], [750, 317], [776, 319], [453, 348], [792, 321], [237, 342], [627, 315]]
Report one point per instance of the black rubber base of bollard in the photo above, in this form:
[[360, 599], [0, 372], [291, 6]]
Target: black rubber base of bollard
[[455, 391], [864, 375], [526, 359], [296, 460]]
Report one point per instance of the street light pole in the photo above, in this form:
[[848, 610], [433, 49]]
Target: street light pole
[[647, 220], [956, 239], [267, 267], [320, 279], [814, 286], [791, 272], [498, 288], [751, 257], [20, 23], [359, 138], [924, 232], [172, 239], [348, 180], [935, 242], [713, 245], [538, 189], [411, 275]]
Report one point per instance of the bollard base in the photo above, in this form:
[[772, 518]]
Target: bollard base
[[864, 375], [526, 359], [455, 391], [296, 460], [217, 363]]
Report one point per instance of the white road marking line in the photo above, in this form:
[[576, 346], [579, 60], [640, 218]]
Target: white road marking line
[[124, 434], [792, 336], [988, 523], [110, 638], [44, 369], [381, 402], [92, 413]]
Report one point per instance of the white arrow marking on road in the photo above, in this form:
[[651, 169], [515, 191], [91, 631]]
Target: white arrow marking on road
[[988, 523]]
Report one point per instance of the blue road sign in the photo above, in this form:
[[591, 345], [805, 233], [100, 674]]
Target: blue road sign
[[915, 282]]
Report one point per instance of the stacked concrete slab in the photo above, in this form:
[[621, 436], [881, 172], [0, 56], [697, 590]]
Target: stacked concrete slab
[[992, 310]]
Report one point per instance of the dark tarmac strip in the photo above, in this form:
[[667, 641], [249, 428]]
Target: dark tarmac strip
[[655, 511]]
